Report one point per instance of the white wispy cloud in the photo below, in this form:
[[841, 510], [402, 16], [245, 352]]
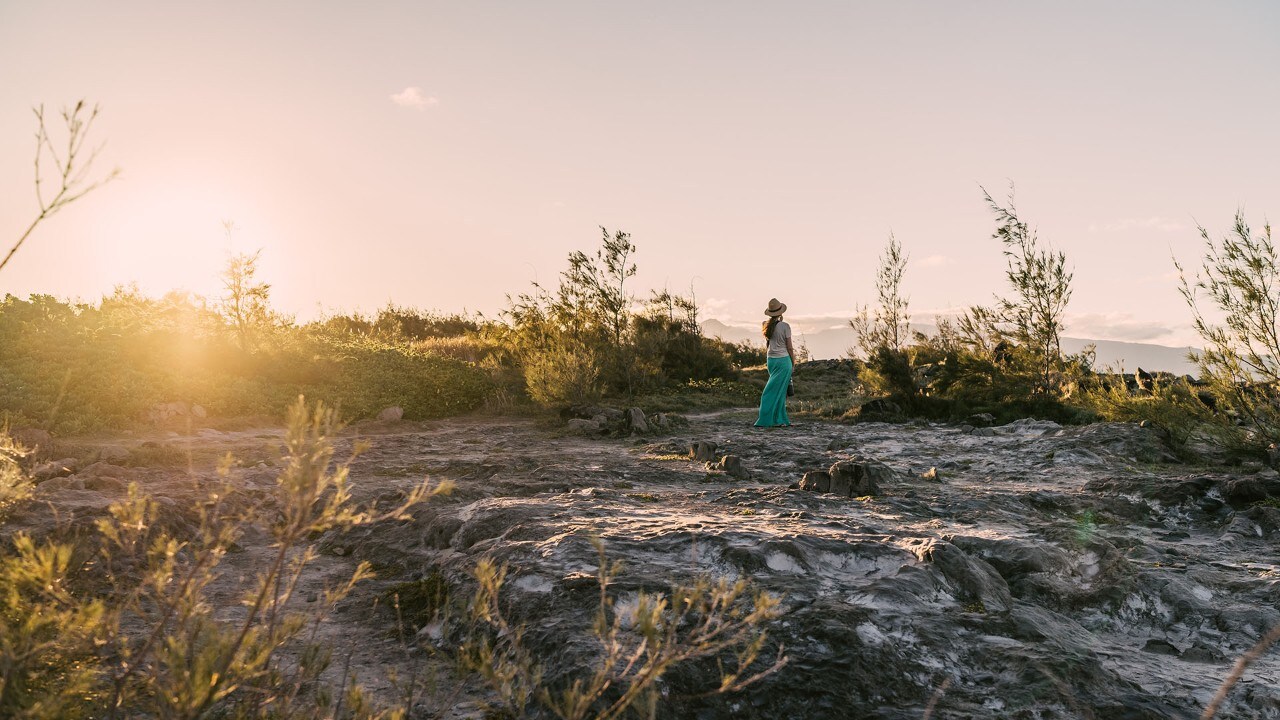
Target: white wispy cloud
[[1155, 222], [413, 97], [935, 261], [1116, 326]]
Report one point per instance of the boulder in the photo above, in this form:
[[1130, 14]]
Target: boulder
[[973, 579], [53, 469], [636, 422], [578, 426], [856, 478], [103, 469], [33, 439], [731, 465], [162, 412], [1241, 492], [57, 485], [105, 483], [667, 421], [880, 409], [816, 481], [703, 450], [1273, 456], [980, 420], [113, 454], [391, 414]]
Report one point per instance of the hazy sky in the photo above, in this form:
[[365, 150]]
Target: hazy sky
[[444, 154]]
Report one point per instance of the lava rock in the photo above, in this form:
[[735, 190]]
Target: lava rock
[[980, 420], [703, 450], [732, 466], [816, 481], [856, 478], [113, 454], [53, 469], [578, 426], [880, 409], [636, 422], [1241, 492], [659, 422], [33, 439], [973, 579], [391, 414]]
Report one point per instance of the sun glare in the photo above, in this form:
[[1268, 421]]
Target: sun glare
[[179, 236]]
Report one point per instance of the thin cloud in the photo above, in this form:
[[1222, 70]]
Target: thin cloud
[[1116, 326], [935, 261], [413, 97]]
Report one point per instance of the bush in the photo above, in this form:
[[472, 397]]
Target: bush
[[137, 636], [562, 374], [80, 367], [584, 341], [14, 484], [1173, 407]]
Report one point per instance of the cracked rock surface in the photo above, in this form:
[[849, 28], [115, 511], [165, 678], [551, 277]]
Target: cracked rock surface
[[1033, 571]]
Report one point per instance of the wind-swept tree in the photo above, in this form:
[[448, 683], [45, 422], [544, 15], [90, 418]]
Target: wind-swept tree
[[1240, 275], [888, 325], [1031, 317]]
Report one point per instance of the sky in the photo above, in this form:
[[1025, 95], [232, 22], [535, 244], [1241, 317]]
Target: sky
[[444, 155]]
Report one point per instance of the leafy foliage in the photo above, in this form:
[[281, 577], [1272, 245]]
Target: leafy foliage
[[585, 340], [1032, 316], [888, 326], [1240, 275], [79, 367], [148, 642], [638, 646]]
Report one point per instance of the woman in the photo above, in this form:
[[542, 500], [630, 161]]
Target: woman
[[781, 356]]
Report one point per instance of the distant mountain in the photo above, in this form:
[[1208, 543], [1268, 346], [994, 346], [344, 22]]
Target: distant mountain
[[835, 343]]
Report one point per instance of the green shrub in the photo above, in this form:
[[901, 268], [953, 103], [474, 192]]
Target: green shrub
[[14, 484], [137, 636], [561, 374], [1173, 407], [81, 367]]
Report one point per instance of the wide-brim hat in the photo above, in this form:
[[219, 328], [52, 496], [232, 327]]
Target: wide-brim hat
[[775, 308]]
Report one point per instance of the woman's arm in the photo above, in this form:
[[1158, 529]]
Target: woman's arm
[[791, 350]]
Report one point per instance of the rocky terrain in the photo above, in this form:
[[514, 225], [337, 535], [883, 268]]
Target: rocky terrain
[[1023, 571]]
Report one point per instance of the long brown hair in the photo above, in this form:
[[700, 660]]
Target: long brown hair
[[768, 326]]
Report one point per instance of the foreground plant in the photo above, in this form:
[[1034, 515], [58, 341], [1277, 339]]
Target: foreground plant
[[638, 646], [15, 486], [155, 642]]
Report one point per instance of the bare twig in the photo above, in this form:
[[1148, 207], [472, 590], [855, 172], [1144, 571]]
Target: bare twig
[[933, 701], [71, 168], [1237, 671]]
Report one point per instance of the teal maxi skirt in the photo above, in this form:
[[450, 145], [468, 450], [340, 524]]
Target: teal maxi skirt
[[773, 402]]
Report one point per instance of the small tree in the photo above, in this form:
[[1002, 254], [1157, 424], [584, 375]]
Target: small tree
[[889, 325], [1241, 358], [1041, 283], [589, 314], [70, 165], [247, 302]]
